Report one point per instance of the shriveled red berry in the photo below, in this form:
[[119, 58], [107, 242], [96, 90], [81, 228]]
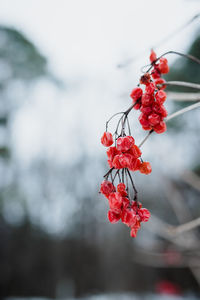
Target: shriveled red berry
[[135, 165], [160, 109], [136, 94], [145, 168], [146, 109], [121, 188], [115, 202], [150, 88], [153, 119], [160, 81], [160, 97], [143, 119], [163, 65], [128, 217], [152, 56], [145, 79], [155, 73], [125, 160], [136, 205], [144, 214], [125, 143], [147, 99], [116, 162], [160, 128], [135, 151], [113, 217], [107, 188], [107, 139]]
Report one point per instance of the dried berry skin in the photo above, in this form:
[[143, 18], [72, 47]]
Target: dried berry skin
[[121, 188], [128, 217], [152, 56], [150, 88], [160, 128], [160, 81], [145, 168], [125, 143], [145, 79], [163, 65], [154, 119], [144, 214], [107, 139], [115, 202], [160, 97], [113, 217], [107, 188], [136, 94]]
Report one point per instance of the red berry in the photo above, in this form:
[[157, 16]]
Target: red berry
[[152, 56], [147, 99], [160, 128], [113, 217], [135, 151], [146, 109], [155, 73], [160, 109], [125, 143], [150, 88], [125, 160], [107, 188], [116, 162], [121, 188], [111, 153], [153, 119], [145, 79], [145, 168], [163, 65], [107, 139], [135, 165], [160, 81], [148, 127], [128, 217], [115, 202], [143, 119], [160, 97], [144, 214], [136, 94]]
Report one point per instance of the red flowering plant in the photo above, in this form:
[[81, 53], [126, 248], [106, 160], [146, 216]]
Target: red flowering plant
[[124, 156]]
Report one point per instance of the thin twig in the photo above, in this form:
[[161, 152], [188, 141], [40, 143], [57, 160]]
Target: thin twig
[[183, 96], [182, 83], [182, 111], [185, 227]]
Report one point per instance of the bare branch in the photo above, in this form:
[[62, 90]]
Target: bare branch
[[182, 83], [174, 96], [185, 227], [182, 111]]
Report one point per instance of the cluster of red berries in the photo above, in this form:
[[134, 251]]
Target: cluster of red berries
[[150, 102], [131, 214], [124, 156]]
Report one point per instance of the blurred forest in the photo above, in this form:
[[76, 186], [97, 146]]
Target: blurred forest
[[88, 255]]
